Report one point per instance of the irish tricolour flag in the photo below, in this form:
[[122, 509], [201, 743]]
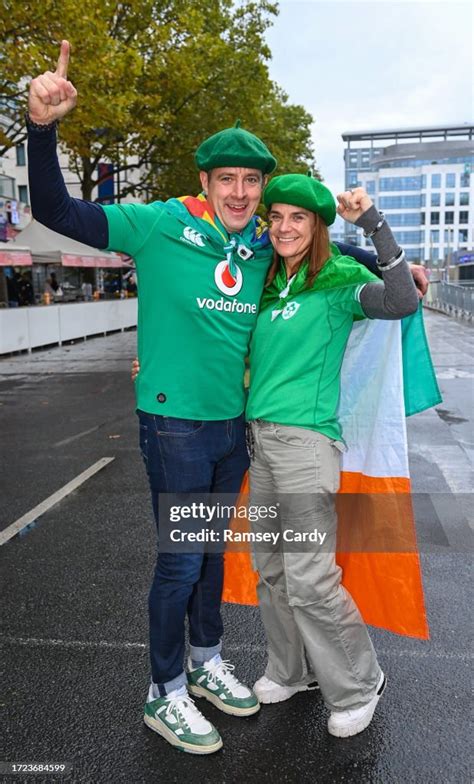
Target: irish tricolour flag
[[387, 375]]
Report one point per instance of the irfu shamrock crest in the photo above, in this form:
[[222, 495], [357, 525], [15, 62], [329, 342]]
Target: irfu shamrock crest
[[290, 310]]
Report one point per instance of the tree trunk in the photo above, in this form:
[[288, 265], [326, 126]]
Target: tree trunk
[[87, 182]]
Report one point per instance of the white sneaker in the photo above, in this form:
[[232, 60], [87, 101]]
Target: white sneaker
[[343, 724], [215, 681], [176, 718], [268, 691]]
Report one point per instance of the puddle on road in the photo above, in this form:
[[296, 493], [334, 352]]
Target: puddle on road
[[449, 417]]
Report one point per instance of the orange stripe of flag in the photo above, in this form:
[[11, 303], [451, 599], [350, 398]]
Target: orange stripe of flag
[[386, 585]]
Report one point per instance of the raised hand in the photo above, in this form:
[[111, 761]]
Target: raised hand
[[353, 204], [51, 95]]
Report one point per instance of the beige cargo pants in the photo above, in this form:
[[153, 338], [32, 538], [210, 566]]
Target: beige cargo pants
[[312, 625]]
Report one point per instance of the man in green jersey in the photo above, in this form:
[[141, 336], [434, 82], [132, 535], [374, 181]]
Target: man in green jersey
[[201, 266]]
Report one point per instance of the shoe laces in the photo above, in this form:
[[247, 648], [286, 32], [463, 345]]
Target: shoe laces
[[222, 670], [183, 705]]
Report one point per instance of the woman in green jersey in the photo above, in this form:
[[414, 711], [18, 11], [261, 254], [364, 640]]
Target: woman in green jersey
[[312, 296]]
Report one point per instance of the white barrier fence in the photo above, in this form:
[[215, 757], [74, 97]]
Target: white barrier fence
[[27, 328]]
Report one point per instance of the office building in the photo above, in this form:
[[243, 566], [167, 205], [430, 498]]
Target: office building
[[423, 180]]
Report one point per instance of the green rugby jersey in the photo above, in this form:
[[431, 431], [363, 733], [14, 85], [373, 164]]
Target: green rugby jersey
[[195, 318], [296, 352]]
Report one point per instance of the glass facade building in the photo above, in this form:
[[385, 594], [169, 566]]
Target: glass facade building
[[423, 180]]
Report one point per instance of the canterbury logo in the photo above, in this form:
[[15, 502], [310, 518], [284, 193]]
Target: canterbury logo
[[191, 235]]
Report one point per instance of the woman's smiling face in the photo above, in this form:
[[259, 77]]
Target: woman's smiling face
[[291, 230]]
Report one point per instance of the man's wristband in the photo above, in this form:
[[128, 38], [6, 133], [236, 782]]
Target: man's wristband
[[369, 234], [37, 127]]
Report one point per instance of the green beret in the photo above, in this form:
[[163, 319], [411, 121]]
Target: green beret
[[301, 190], [234, 147]]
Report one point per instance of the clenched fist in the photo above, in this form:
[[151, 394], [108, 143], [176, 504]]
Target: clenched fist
[[353, 204], [51, 96]]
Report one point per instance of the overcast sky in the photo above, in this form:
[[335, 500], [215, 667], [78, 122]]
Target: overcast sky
[[366, 65]]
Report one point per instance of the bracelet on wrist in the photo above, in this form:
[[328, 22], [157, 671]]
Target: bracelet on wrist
[[393, 262], [369, 234], [38, 127]]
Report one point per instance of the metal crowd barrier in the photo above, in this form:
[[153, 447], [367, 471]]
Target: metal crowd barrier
[[451, 298]]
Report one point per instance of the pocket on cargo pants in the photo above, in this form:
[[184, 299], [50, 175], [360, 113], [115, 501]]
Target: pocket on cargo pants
[[311, 573]]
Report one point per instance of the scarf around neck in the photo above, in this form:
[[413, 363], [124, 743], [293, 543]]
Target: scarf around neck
[[337, 272], [196, 212]]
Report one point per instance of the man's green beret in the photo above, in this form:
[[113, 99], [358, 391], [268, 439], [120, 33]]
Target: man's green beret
[[301, 190], [234, 147]]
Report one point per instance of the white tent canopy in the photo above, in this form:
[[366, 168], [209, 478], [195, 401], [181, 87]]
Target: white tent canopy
[[49, 247]]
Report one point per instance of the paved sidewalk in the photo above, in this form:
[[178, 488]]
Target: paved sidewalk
[[74, 593]]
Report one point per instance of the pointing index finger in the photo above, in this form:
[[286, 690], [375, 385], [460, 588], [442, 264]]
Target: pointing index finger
[[63, 62]]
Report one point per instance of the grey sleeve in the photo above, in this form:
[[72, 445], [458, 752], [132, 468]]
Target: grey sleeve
[[396, 297]]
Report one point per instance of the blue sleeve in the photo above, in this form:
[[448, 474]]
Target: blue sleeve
[[364, 257], [51, 204]]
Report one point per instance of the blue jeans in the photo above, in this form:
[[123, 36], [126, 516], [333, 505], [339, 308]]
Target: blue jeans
[[188, 456]]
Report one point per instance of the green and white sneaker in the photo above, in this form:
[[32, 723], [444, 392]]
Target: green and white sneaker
[[214, 681], [176, 718]]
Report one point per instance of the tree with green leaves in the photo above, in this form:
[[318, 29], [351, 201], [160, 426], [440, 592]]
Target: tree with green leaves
[[154, 79]]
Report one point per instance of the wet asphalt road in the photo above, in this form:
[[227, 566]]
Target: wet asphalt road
[[74, 593]]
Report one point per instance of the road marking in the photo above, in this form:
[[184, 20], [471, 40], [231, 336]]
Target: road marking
[[83, 644], [44, 506], [380, 651], [80, 644], [427, 654], [452, 462], [78, 435], [449, 373], [83, 433]]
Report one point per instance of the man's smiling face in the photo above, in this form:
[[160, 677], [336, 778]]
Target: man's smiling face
[[234, 193]]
